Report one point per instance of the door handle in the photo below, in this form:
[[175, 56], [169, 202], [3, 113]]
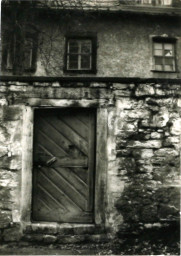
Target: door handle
[[51, 161], [40, 164]]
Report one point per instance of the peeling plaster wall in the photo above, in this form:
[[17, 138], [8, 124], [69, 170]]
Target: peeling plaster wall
[[117, 37], [143, 151]]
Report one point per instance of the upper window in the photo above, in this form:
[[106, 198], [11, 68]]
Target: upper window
[[156, 2], [11, 51], [164, 55], [80, 55]]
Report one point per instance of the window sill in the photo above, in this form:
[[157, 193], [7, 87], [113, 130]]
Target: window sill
[[162, 71], [94, 71], [30, 70]]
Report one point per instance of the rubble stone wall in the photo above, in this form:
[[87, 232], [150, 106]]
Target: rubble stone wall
[[143, 150]]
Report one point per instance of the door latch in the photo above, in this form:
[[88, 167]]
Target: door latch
[[51, 161]]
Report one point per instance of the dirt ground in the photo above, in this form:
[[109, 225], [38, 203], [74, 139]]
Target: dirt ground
[[152, 242], [129, 248], [53, 250]]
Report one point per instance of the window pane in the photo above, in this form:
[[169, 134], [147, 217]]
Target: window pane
[[158, 52], [167, 2], [85, 62], [168, 53], [168, 68], [169, 64], [9, 64], [86, 47], [158, 46], [73, 46], [73, 61], [146, 1], [168, 50], [158, 61], [169, 61], [168, 46], [158, 67], [28, 53]]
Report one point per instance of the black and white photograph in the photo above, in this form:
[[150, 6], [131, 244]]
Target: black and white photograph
[[90, 127]]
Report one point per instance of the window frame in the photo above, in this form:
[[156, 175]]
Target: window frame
[[163, 40], [93, 40]]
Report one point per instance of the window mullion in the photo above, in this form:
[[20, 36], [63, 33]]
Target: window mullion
[[79, 56]]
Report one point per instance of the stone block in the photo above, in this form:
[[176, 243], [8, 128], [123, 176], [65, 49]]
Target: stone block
[[49, 239], [156, 135], [43, 228], [124, 152], [116, 185], [138, 113], [5, 218], [3, 88], [142, 153], [146, 169], [166, 151], [120, 86], [161, 119], [176, 127], [56, 84], [5, 193], [168, 212], [85, 230], [22, 83], [144, 144], [98, 238], [172, 141], [122, 93], [12, 234], [168, 195], [125, 103], [2, 83], [38, 238], [5, 162], [3, 150], [145, 90], [62, 239], [12, 113], [1, 113], [127, 163], [159, 160], [120, 142], [149, 213], [17, 88], [7, 178], [4, 136], [6, 205], [97, 85], [41, 84], [15, 163], [160, 92]]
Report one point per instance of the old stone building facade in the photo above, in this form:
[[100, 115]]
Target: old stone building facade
[[90, 119]]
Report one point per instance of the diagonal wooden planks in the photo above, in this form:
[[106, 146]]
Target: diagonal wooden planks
[[62, 190], [70, 134]]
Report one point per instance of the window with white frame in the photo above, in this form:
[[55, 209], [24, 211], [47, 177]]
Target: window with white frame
[[164, 55], [80, 55], [157, 2]]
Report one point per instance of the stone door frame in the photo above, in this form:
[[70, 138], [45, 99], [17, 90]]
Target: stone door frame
[[101, 154]]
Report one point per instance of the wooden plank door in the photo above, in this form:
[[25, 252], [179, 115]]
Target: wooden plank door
[[63, 172]]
